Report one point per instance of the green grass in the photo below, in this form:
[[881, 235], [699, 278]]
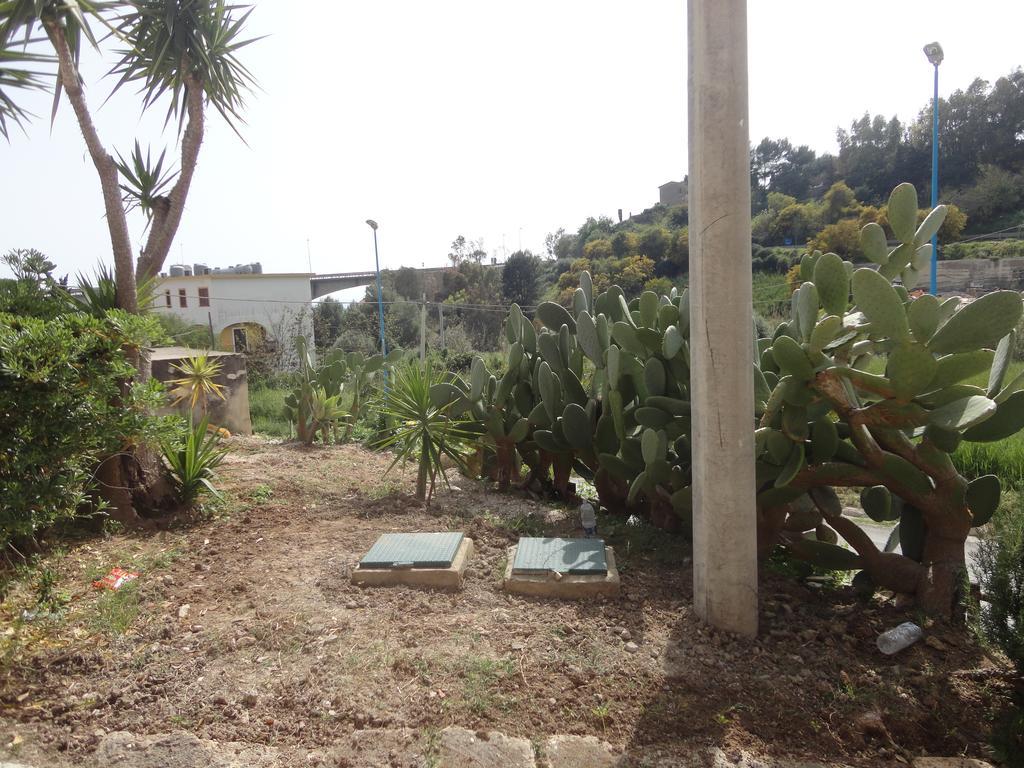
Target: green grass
[[1004, 459], [266, 409], [114, 612], [481, 683], [771, 296]]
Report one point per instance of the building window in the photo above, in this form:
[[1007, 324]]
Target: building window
[[182, 300], [167, 298], [204, 297]]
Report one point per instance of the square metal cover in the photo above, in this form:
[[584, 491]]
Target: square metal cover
[[413, 550], [583, 557]]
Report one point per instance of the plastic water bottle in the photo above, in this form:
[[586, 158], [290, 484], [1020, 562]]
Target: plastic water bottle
[[898, 638], [588, 519]]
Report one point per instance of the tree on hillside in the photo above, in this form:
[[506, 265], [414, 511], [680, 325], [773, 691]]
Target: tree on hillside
[[551, 241], [180, 53], [839, 203], [327, 320], [463, 250], [408, 283], [520, 279]]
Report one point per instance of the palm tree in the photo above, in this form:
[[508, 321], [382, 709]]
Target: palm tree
[[182, 49]]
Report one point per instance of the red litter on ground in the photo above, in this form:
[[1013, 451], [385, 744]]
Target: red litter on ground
[[116, 579]]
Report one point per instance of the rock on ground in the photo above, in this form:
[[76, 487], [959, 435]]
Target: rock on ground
[[579, 752], [184, 750], [462, 748], [408, 748]]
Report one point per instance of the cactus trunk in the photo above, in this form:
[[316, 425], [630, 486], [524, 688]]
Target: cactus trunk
[[939, 590]]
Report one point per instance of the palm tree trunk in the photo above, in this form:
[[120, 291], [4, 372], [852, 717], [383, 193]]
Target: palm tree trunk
[[106, 168], [167, 215]]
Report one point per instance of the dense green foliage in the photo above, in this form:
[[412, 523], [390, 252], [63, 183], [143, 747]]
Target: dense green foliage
[[314, 406], [1001, 569], [1000, 564], [981, 146], [984, 249], [74, 366]]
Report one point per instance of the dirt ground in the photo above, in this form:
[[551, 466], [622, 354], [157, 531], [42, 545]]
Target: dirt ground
[[245, 627]]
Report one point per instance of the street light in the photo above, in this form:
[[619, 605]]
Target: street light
[[380, 291], [934, 53]]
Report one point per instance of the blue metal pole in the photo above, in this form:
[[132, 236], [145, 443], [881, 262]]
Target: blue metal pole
[[380, 295], [935, 180]]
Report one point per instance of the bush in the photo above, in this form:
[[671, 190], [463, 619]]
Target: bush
[[180, 332], [192, 460], [1001, 568], [73, 366], [983, 249], [842, 238]]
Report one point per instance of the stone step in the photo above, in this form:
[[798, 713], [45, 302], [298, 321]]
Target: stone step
[[452, 747]]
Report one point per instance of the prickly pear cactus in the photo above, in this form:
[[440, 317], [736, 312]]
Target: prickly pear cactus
[[865, 386], [319, 382], [600, 390]]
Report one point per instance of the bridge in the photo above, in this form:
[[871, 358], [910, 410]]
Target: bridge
[[322, 285]]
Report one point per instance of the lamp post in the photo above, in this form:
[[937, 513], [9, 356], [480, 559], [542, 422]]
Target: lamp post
[[380, 291], [934, 53]]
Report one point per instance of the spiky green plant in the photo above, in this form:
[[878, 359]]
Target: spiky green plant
[[326, 378], [99, 292], [198, 383], [423, 430], [192, 462]]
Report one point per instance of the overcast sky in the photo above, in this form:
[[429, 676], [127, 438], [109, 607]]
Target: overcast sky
[[500, 121]]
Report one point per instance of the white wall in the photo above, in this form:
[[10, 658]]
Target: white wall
[[275, 301]]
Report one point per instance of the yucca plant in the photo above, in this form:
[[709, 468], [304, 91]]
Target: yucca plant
[[197, 383], [192, 462], [99, 293], [423, 430]]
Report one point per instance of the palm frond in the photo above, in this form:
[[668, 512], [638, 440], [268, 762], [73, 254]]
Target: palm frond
[[145, 180], [198, 381], [19, 19], [15, 75], [172, 41], [99, 292]]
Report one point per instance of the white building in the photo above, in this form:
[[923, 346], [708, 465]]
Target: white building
[[242, 310]]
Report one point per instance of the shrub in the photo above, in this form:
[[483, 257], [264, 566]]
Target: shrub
[[984, 249], [842, 238], [1000, 562], [180, 332], [192, 461], [72, 366], [424, 429]]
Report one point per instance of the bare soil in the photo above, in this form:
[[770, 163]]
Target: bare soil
[[245, 627]]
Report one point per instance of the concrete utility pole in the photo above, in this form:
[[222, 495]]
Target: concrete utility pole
[[423, 328], [721, 325]]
